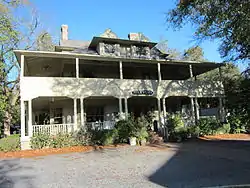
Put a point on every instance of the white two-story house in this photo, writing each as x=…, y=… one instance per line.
x=92, y=83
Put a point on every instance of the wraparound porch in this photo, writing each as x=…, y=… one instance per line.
x=63, y=114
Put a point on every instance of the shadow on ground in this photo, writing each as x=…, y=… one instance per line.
x=12, y=174
x=206, y=164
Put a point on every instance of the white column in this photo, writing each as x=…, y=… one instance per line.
x=197, y=109
x=221, y=110
x=164, y=109
x=126, y=107
x=77, y=67
x=120, y=68
x=30, y=128
x=120, y=106
x=22, y=118
x=75, y=114
x=82, y=112
x=191, y=71
x=22, y=66
x=159, y=71
x=159, y=112
x=192, y=109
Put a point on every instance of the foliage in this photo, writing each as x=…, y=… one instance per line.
x=223, y=129
x=227, y=21
x=163, y=47
x=44, y=42
x=208, y=126
x=176, y=128
x=236, y=123
x=212, y=126
x=10, y=143
x=40, y=140
x=83, y=137
x=194, y=54
x=104, y=137
x=62, y=140
x=126, y=128
x=16, y=32
x=142, y=134
x=193, y=131
x=109, y=137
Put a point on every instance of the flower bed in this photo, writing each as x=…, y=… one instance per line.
x=227, y=137
x=51, y=151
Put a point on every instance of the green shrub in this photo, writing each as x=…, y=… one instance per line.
x=40, y=140
x=10, y=143
x=176, y=127
x=126, y=128
x=83, y=137
x=109, y=137
x=142, y=134
x=237, y=125
x=208, y=126
x=223, y=129
x=193, y=131
x=104, y=137
x=62, y=140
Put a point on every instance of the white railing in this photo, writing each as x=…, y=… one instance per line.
x=53, y=129
x=101, y=125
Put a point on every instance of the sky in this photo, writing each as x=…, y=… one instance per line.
x=88, y=18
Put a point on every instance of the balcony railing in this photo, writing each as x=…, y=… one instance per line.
x=53, y=129
x=101, y=125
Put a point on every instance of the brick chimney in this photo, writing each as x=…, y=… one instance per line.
x=64, y=32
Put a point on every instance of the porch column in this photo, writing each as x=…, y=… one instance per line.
x=77, y=67
x=75, y=114
x=159, y=111
x=164, y=109
x=30, y=128
x=197, y=114
x=22, y=101
x=22, y=118
x=120, y=106
x=192, y=109
x=165, y=117
x=126, y=106
x=159, y=71
x=191, y=71
x=82, y=112
x=120, y=68
x=221, y=109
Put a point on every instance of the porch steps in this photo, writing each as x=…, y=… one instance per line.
x=155, y=138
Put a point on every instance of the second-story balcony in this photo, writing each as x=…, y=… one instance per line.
x=75, y=77
x=32, y=87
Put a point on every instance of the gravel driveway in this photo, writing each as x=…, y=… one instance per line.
x=192, y=164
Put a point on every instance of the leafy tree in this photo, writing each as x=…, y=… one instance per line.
x=15, y=32
x=194, y=54
x=227, y=21
x=44, y=42
x=173, y=53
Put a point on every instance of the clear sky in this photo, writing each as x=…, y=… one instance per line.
x=88, y=18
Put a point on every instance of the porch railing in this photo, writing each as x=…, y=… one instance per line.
x=53, y=129
x=101, y=125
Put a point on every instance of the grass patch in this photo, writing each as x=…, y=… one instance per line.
x=10, y=143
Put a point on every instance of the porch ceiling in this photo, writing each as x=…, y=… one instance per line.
x=198, y=67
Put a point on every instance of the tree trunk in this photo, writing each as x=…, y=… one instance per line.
x=6, y=123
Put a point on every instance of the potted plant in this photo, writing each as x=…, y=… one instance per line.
x=132, y=136
x=142, y=136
